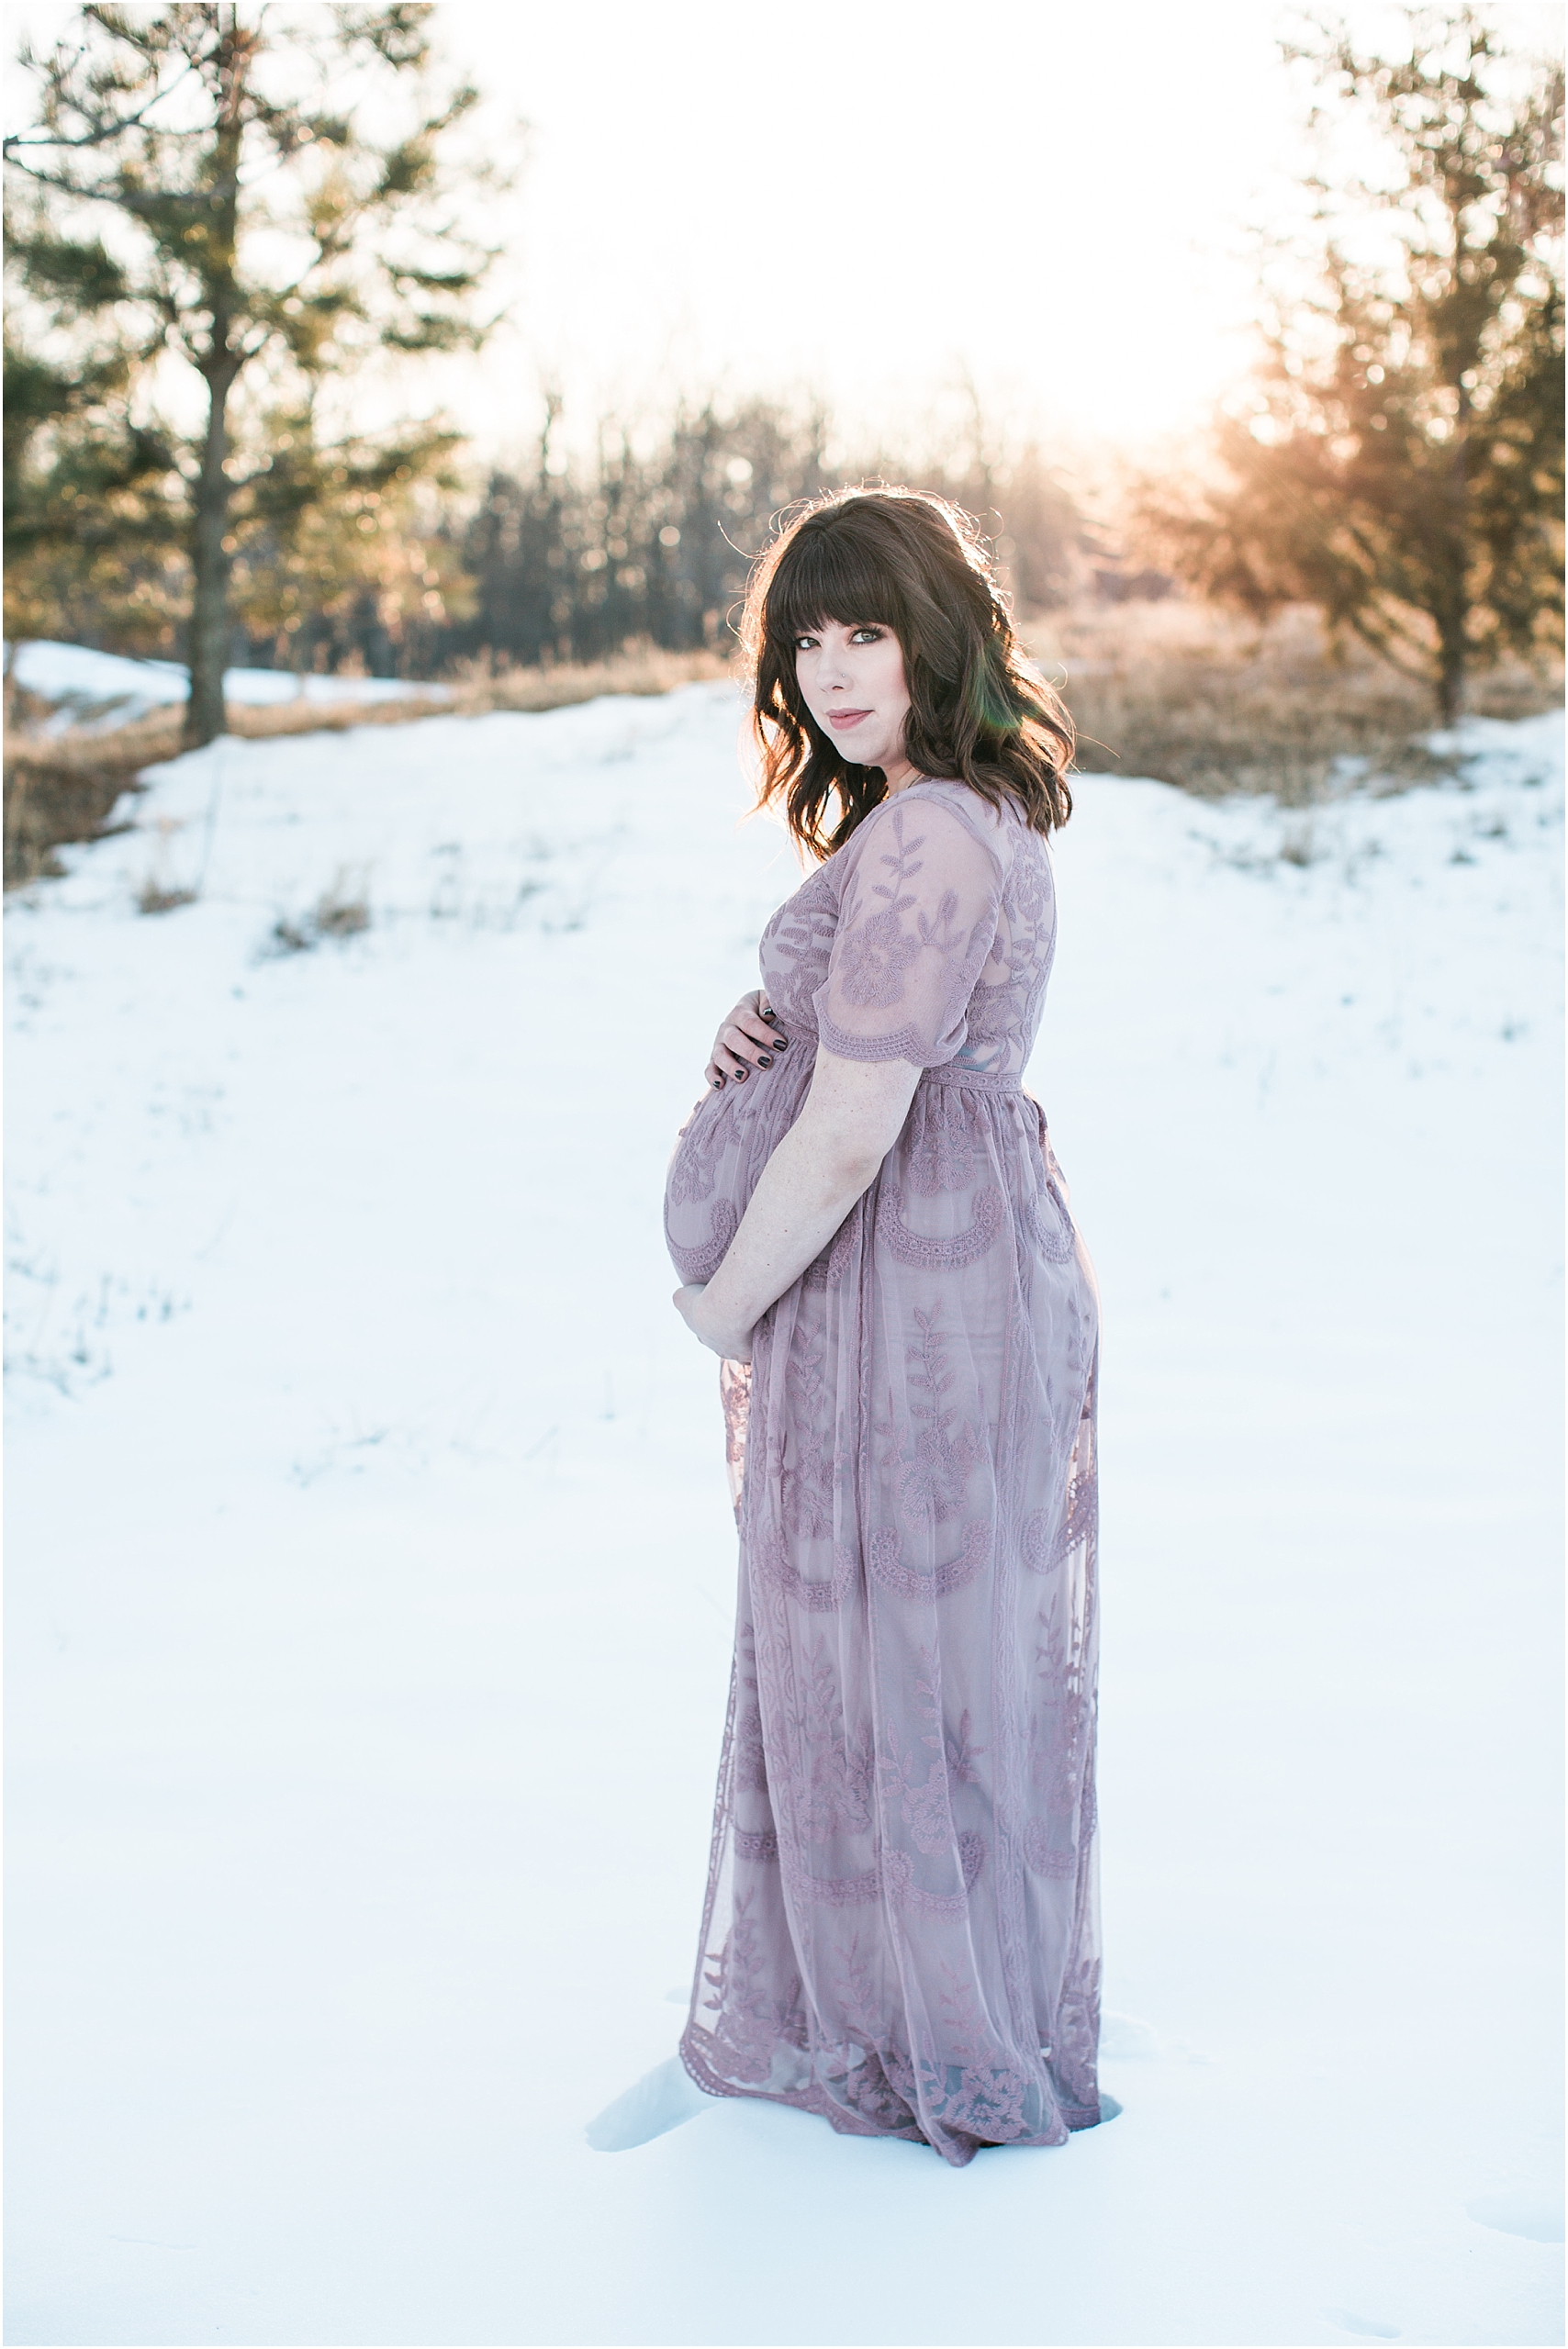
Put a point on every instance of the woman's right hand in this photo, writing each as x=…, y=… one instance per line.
x=749, y=1038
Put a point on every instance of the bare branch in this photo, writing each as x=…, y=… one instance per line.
x=109, y=129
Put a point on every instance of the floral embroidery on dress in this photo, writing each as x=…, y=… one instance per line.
x=751, y=1753
x=936, y=1255
x=694, y=1167
x=818, y=1595
x=1077, y=2036
x=876, y=950
x=990, y=1022
x=1050, y=1536
x=871, y=2094
x=984, y=2100
x=750, y=2020
x=899, y=1870
x=1053, y=1233
x=943, y=1154
x=933, y=1463
x=1045, y=1858
x=803, y=1461
x=835, y=1773
x=701, y=1263
x=921, y=1800
x=906, y=1582
x=797, y=942
x=734, y=1402
x=834, y=1892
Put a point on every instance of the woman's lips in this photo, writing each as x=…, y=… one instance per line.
x=847, y=717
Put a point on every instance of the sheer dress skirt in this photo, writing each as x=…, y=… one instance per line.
x=901, y=1927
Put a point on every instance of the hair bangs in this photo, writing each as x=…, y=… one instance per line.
x=831, y=575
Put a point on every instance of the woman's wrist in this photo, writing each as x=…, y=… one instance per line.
x=720, y=1329
x=708, y=1321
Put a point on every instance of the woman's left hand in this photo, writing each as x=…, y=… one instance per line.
x=730, y=1345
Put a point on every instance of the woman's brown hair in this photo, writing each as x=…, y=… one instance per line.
x=977, y=714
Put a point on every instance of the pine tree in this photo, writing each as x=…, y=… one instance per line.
x=1397, y=458
x=200, y=184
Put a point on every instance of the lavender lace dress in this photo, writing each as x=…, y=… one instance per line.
x=901, y=1931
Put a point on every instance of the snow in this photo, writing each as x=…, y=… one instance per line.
x=372, y=1570
x=106, y=688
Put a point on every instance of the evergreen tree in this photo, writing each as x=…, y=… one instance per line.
x=92, y=514
x=201, y=182
x=1398, y=457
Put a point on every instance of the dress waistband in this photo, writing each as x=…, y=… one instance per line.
x=981, y=1081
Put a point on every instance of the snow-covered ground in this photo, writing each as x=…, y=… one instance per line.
x=371, y=1569
x=107, y=689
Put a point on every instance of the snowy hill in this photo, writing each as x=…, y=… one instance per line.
x=371, y=1569
x=107, y=689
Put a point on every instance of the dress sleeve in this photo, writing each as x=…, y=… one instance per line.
x=917, y=916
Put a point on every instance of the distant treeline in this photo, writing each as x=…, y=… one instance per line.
x=648, y=540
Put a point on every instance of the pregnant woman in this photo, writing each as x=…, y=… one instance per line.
x=901, y=1931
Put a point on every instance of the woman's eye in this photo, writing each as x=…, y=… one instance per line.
x=867, y=636
x=804, y=643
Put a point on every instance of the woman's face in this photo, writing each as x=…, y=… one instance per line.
x=853, y=683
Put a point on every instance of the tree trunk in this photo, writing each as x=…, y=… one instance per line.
x=209, y=519
x=1450, y=681
x=1454, y=639
x=209, y=566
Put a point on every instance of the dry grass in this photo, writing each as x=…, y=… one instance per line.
x=152, y=897
x=341, y=912
x=54, y=795
x=1196, y=698
x=643, y=670
x=1173, y=690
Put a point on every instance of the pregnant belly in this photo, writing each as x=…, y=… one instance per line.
x=723, y=1148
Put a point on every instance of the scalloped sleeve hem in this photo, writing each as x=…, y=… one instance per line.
x=904, y=1045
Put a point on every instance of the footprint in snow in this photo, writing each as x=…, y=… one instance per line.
x=1125, y=2039
x=661, y=2100
x=1538, y=2217
x=1366, y=2328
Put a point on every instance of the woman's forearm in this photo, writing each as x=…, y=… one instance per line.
x=830, y=1155
x=802, y=1195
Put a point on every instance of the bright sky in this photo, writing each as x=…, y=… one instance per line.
x=874, y=198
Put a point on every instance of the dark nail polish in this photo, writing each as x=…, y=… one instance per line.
x=718, y=1084
x=765, y=1060
x=772, y=1018
x=783, y=1042
x=740, y=1076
